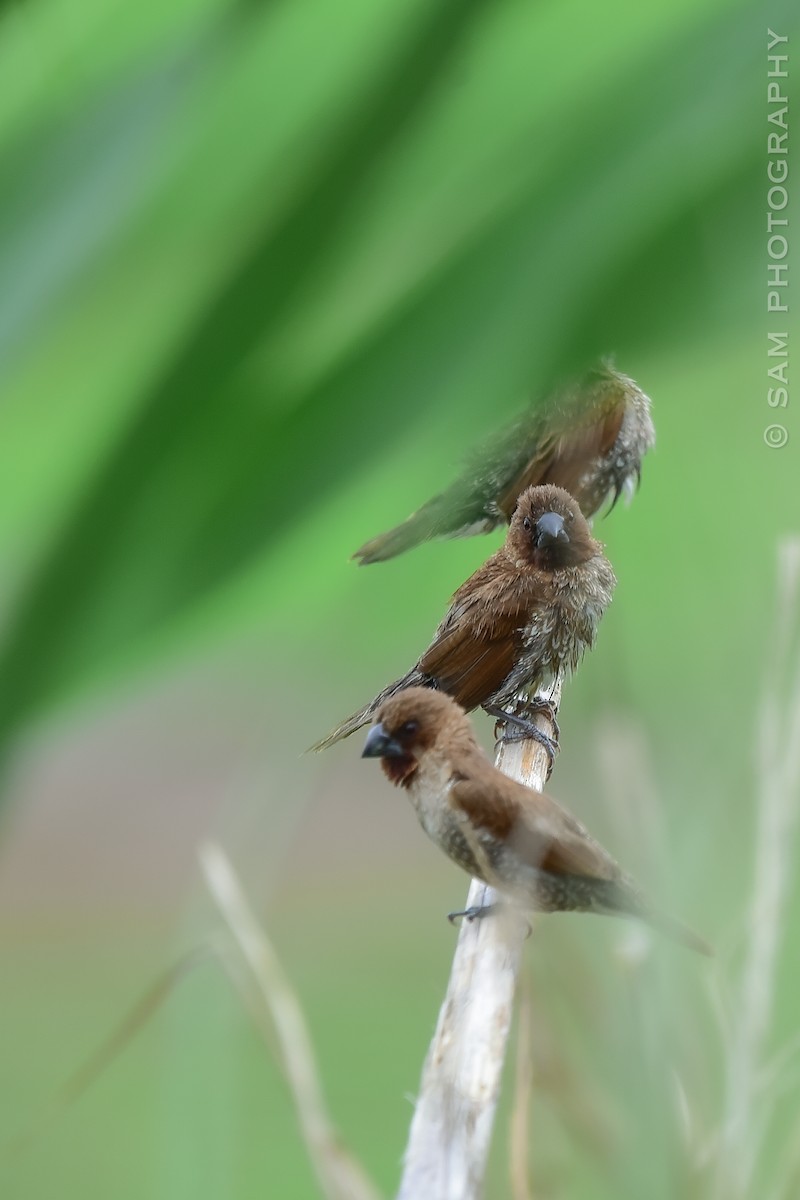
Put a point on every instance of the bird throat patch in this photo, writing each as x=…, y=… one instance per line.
x=400, y=770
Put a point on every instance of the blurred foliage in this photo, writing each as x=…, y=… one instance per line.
x=268, y=270
x=244, y=248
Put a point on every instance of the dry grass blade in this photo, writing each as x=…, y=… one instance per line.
x=448, y=1144
x=105, y=1055
x=339, y=1175
x=778, y=799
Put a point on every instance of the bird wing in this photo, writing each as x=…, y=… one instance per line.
x=479, y=641
x=461, y=510
x=543, y=833
x=563, y=454
x=561, y=441
x=546, y=836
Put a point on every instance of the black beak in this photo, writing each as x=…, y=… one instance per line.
x=550, y=528
x=379, y=744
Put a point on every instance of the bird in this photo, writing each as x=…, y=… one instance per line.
x=520, y=621
x=521, y=842
x=588, y=437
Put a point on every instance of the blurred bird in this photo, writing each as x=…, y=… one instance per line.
x=524, y=618
x=519, y=841
x=589, y=438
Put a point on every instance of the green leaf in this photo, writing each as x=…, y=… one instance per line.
x=595, y=241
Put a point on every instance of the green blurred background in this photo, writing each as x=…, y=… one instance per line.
x=267, y=271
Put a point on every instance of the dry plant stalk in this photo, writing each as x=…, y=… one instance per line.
x=340, y=1176
x=523, y=1087
x=450, y=1136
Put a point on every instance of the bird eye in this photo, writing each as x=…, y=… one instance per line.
x=410, y=728
x=526, y=522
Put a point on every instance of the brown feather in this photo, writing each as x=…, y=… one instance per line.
x=527, y=614
x=478, y=642
x=562, y=457
x=515, y=839
x=543, y=833
x=589, y=437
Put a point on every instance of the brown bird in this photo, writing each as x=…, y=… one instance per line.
x=526, y=616
x=589, y=438
x=519, y=841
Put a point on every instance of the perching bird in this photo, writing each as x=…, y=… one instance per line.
x=525, y=617
x=589, y=438
x=521, y=842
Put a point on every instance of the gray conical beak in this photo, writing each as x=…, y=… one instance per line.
x=550, y=528
x=380, y=744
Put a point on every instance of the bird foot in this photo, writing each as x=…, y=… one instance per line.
x=538, y=704
x=517, y=729
x=477, y=912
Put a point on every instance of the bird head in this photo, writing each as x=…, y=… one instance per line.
x=549, y=530
x=410, y=724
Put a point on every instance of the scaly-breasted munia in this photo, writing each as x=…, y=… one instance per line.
x=525, y=617
x=519, y=841
x=589, y=438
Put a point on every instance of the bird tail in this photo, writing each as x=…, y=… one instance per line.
x=622, y=897
x=364, y=715
x=345, y=728
x=419, y=527
x=678, y=932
